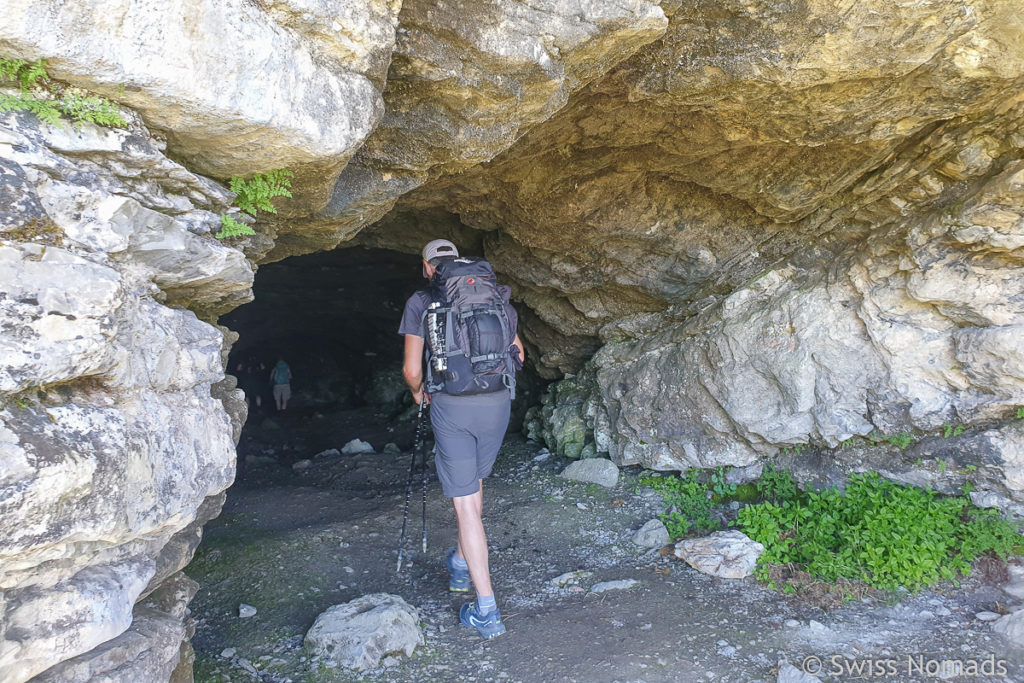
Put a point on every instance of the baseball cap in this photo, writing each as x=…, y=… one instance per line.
x=437, y=248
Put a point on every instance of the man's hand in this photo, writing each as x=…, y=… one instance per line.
x=419, y=395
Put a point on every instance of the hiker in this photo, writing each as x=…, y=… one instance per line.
x=469, y=397
x=281, y=379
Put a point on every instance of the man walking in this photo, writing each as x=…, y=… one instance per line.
x=469, y=393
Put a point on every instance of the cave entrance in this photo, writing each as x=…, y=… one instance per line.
x=332, y=317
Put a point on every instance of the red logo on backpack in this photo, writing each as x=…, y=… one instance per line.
x=470, y=281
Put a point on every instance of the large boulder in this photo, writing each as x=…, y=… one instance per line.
x=357, y=634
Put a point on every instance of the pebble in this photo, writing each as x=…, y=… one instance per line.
x=791, y=623
x=927, y=614
x=986, y=616
x=245, y=611
x=329, y=453
x=621, y=584
x=301, y=465
x=227, y=653
x=818, y=627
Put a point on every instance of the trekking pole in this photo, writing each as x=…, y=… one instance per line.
x=422, y=446
x=408, y=485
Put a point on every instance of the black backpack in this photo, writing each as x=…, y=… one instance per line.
x=470, y=339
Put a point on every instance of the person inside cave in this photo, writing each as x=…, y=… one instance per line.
x=281, y=379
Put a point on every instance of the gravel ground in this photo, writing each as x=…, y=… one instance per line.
x=293, y=543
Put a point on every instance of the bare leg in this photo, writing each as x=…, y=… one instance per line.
x=472, y=540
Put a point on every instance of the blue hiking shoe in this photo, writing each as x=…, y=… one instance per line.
x=459, y=581
x=488, y=626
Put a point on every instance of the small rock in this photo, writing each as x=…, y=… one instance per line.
x=986, y=616
x=392, y=448
x=329, y=453
x=818, y=627
x=227, y=653
x=791, y=623
x=621, y=584
x=926, y=614
x=581, y=506
x=790, y=674
x=301, y=465
x=1011, y=626
x=725, y=554
x=727, y=651
x=652, y=534
x=245, y=611
x=942, y=612
x=356, y=447
x=594, y=471
x=543, y=455
x=357, y=634
x=569, y=578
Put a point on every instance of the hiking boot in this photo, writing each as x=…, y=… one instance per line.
x=459, y=581
x=488, y=626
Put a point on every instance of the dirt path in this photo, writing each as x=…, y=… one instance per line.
x=293, y=543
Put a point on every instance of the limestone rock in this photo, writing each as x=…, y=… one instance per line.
x=358, y=633
x=357, y=446
x=725, y=554
x=621, y=584
x=110, y=440
x=790, y=674
x=1011, y=626
x=178, y=64
x=653, y=534
x=593, y=470
x=466, y=79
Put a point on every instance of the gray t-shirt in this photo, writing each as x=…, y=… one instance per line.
x=412, y=323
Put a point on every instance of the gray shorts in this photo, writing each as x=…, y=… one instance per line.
x=282, y=392
x=468, y=431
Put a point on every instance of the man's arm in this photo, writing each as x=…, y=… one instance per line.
x=412, y=367
x=522, y=352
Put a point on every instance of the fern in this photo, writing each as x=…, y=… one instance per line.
x=9, y=68
x=78, y=108
x=232, y=228
x=257, y=192
x=45, y=110
x=82, y=108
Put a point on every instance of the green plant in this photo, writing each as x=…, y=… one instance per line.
x=777, y=485
x=50, y=102
x=1020, y=413
x=901, y=441
x=720, y=487
x=942, y=466
x=970, y=468
x=881, y=533
x=229, y=227
x=257, y=192
x=254, y=195
x=846, y=444
x=949, y=430
x=688, y=502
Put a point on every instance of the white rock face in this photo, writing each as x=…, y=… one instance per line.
x=725, y=554
x=357, y=634
x=235, y=90
x=110, y=440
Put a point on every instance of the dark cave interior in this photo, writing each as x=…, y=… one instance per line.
x=333, y=317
